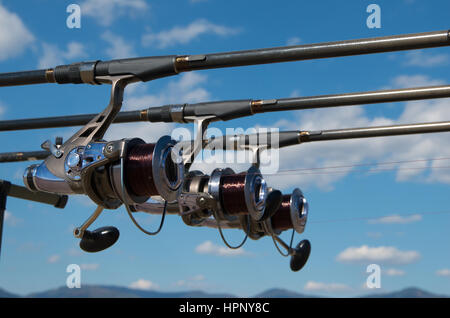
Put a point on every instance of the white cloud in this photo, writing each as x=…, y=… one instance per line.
x=394, y=272
x=14, y=35
x=443, y=272
x=381, y=254
x=118, y=48
x=419, y=58
x=293, y=41
x=143, y=284
x=90, y=267
x=210, y=248
x=52, y=55
x=313, y=286
x=74, y=251
x=2, y=109
x=10, y=219
x=197, y=281
x=106, y=11
x=404, y=81
x=374, y=234
x=184, y=89
x=396, y=219
x=185, y=34
x=198, y=277
x=53, y=259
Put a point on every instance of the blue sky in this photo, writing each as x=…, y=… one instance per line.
x=396, y=215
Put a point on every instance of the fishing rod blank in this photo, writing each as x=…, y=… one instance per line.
x=67, y=121
x=226, y=110
x=23, y=156
x=367, y=132
x=284, y=138
x=149, y=68
x=290, y=138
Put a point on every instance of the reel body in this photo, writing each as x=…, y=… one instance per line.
x=94, y=170
x=226, y=195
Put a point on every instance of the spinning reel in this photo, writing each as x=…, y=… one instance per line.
x=228, y=195
x=127, y=171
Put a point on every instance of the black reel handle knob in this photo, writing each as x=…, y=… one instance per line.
x=300, y=255
x=99, y=239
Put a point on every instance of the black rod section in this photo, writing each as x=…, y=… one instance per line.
x=153, y=67
x=315, y=51
x=4, y=189
x=24, y=78
x=381, y=131
x=66, y=121
x=23, y=156
x=290, y=138
x=226, y=110
x=351, y=99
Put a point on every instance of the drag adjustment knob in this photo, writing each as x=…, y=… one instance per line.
x=300, y=255
x=99, y=239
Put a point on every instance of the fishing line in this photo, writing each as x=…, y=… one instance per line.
x=130, y=214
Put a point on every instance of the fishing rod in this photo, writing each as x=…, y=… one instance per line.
x=130, y=172
x=149, y=68
x=231, y=109
x=279, y=139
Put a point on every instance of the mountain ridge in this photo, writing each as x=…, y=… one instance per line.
x=104, y=291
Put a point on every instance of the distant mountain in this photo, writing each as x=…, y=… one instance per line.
x=98, y=291
x=91, y=291
x=411, y=292
x=281, y=293
x=5, y=294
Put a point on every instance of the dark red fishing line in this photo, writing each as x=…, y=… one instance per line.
x=138, y=170
x=282, y=219
x=232, y=194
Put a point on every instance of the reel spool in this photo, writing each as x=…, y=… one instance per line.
x=240, y=194
x=292, y=214
x=149, y=170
